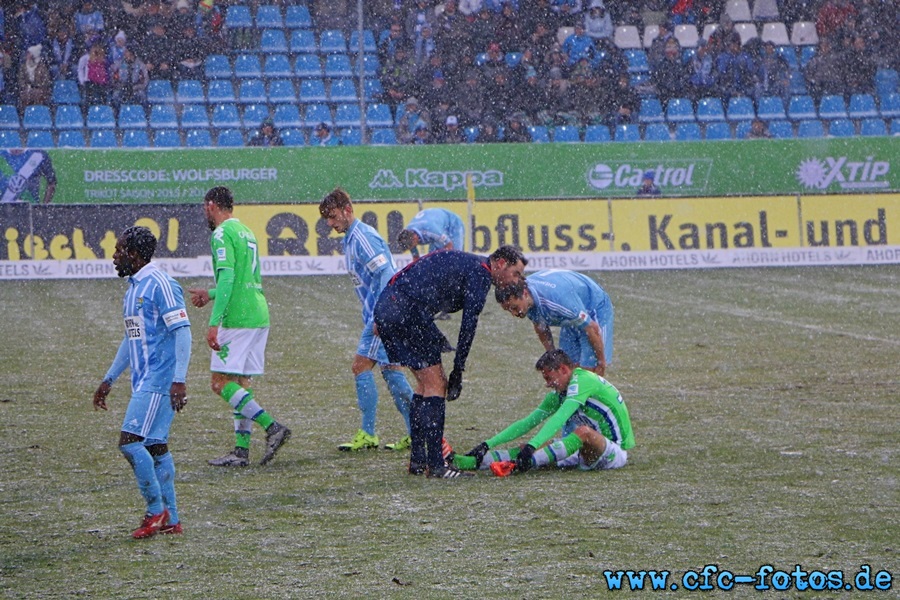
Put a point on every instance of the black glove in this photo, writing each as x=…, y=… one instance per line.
x=523, y=461
x=454, y=384
x=478, y=453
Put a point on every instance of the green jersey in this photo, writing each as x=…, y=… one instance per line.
x=589, y=400
x=239, y=299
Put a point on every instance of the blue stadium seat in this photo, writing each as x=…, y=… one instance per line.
x=351, y=136
x=71, y=138
x=159, y=91
x=273, y=41
x=710, y=109
x=513, y=59
x=841, y=128
x=718, y=130
x=238, y=16
x=806, y=54
x=372, y=89
x=789, y=54
x=101, y=116
x=318, y=113
x=252, y=91
x=246, y=66
x=190, y=91
x=771, y=108
x=687, y=132
x=742, y=130
x=198, y=138
x=368, y=41
x=798, y=84
x=220, y=91
x=68, y=116
x=890, y=106
x=225, y=116
x=886, y=82
x=637, y=60
x=253, y=115
x=679, y=110
x=10, y=139
x=628, y=132
x=135, y=138
x=269, y=15
x=338, y=65
x=217, y=66
x=343, y=90
x=657, y=132
x=371, y=65
x=347, y=115
x=9, y=117
x=230, y=138
x=651, y=111
x=539, y=134
x=379, y=115
x=895, y=127
x=277, y=66
x=832, y=106
x=810, y=128
x=194, y=116
x=781, y=130
x=384, y=137
x=312, y=90
x=104, y=138
x=862, y=106
x=480, y=59
x=37, y=116
x=167, y=138
x=303, y=41
x=39, y=138
x=872, y=127
x=281, y=91
x=801, y=108
x=332, y=41
x=740, y=108
x=293, y=136
x=596, y=134
x=470, y=133
x=566, y=133
x=287, y=116
x=297, y=17
x=66, y=91
x=308, y=66
x=162, y=116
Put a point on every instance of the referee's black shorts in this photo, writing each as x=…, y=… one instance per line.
x=408, y=333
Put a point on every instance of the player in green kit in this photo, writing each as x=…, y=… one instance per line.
x=596, y=429
x=238, y=327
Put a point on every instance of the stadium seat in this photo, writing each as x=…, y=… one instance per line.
x=890, y=106
x=159, y=91
x=806, y=54
x=771, y=108
x=688, y=54
x=135, y=138
x=371, y=66
x=803, y=33
x=9, y=117
x=687, y=35
x=281, y=91
x=841, y=128
x=287, y=116
x=198, y=138
x=332, y=41
x=293, y=136
x=351, y=136
x=710, y=109
x=886, y=82
x=384, y=137
x=312, y=90
x=781, y=130
x=225, y=116
x=318, y=113
x=687, y=132
x=101, y=116
x=801, y=108
x=379, y=115
x=342, y=90
x=297, y=17
x=738, y=10
x=637, y=60
x=832, y=107
x=277, y=66
x=338, y=65
x=71, y=138
x=167, y=138
x=776, y=33
x=66, y=91
x=10, y=139
x=718, y=130
x=596, y=134
x=347, y=115
x=308, y=66
x=810, y=128
x=39, y=138
x=162, y=116
x=651, y=111
x=651, y=32
x=194, y=116
x=539, y=134
x=566, y=133
x=369, y=44
x=104, y=138
x=373, y=90
x=68, y=116
x=740, y=108
x=252, y=91
x=747, y=31
x=709, y=29
x=231, y=138
x=246, y=66
x=657, y=132
x=798, y=84
x=627, y=36
x=253, y=115
x=564, y=32
x=238, y=16
x=190, y=91
x=862, y=106
x=269, y=15
x=628, y=132
x=789, y=54
x=741, y=130
x=679, y=110
x=217, y=66
x=470, y=133
x=220, y=91
x=872, y=127
x=765, y=10
x=37, y=116
x=272, y=41
x=513, y=59
x=303, y=41
x=895, y=127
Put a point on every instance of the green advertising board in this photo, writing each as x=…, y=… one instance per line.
x=498, y=171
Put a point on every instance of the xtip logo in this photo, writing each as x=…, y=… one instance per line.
x=814, y=173
x=673, y=174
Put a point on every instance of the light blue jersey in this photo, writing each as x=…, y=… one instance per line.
x=571, y=300
x=438, y=227
x=153, y=309
x=369, y=263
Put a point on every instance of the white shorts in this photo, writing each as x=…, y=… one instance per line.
x=613, y=458
x=243, y=351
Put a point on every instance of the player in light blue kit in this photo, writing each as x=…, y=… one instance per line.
x=569, y=300
x=441, y=229
x=371, y=266
x=157, y=349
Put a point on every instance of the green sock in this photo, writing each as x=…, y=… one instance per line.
x=465, y=463
x=243, y=402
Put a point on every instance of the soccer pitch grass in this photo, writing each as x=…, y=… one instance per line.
x=764, y=403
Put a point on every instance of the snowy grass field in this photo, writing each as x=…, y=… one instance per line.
x=764, y=402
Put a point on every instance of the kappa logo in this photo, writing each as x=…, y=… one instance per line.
x=446, y=180
x=815, y=173
x=223, y=353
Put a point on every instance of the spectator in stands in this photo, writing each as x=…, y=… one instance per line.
x=451, y=30
x=858, y=68
x=623, y=103
x=584, y=83
x=501, y=94
x=130, y=79
x=62, y=54
x=190, y=53
x=613, y=62
x=436, y=92
x=516, y=129
x=568, y=12
x=89, y=24
x=267, y=136
x=451, y=133
x=322, y=136
x=471, y=99
x=735, y=71
x=28, y=27
x=798, y=10
x=597, y=22
x=648, y=186
x=653, y=12
x=702, y=73
x=158, y=50
x=670, y=75
x=488, y=132
x=34, y=83
x=93, y=76
x=722, y=37
x=509, y=31
x=578, y=45
x=560, y=106
x=483, y=30
x=389, y=44
x=833, y=16
x=758, y=130
x=495, y=61
x=471, y=8
x=773, y=73
x=541, y=41
x=398, y=76
x=421, y=134
x=420, y=15
x=682, y=12
x=424, y=47
x=657, y=50
x=824, y=72
x=406, y=124
x=536, y=12
x=532, y=97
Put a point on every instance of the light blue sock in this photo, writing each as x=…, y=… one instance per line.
x=400, y=390
x=367, y=399
x=142, y=465
x=165, y=473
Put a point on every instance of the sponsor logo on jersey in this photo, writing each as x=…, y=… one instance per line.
x=134, y=328
x=376, y=263
x=221, y=254
x=175, y=317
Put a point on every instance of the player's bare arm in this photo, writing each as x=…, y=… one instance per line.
x=595, y=337
x=101, y=394
x=212, y=338
x=545, y=335
x=199, y=297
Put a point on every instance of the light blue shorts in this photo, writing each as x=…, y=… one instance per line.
x=149, y=415
x=574, y=342
x=371, y=347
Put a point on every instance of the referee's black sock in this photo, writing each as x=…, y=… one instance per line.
x=417, y=419
x=434, y=430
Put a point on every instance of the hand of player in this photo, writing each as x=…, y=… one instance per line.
x=199, y=298
x=454, y=384
x=100, y=396
x=478, y=453
x=523, y=460
x=212, y=338
x=178, y=396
